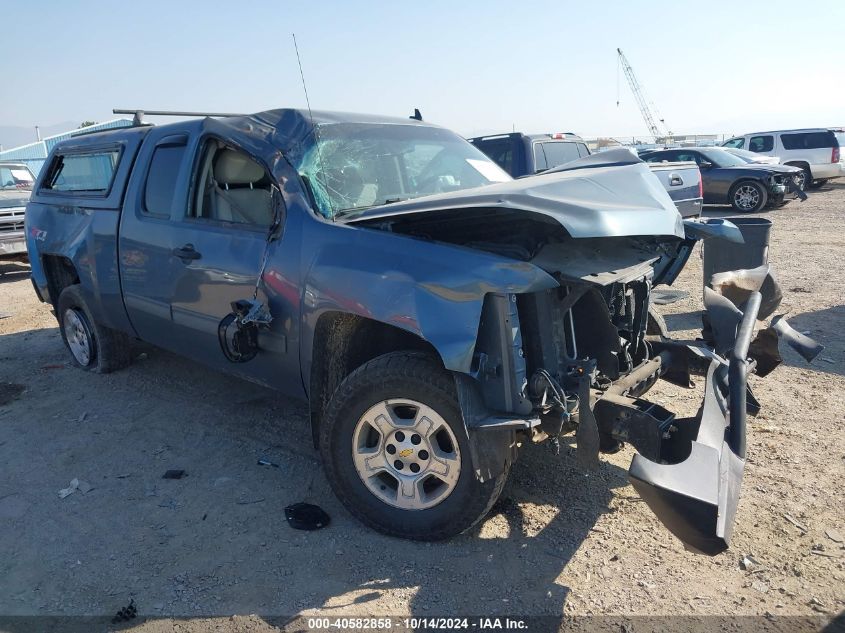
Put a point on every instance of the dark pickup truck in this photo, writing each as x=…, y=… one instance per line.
x=528, y=154
x=435, y=313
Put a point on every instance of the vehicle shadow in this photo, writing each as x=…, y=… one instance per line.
x=826, y=327
x=13, y=270
x=216, y=543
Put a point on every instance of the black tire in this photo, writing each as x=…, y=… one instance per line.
x=745, y=187
x=402, y=375
x=107, y=350
x=656, y=324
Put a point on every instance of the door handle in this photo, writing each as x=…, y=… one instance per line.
x=186, y=253
x=675, y=180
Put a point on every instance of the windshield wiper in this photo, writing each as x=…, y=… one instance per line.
x=350, y=210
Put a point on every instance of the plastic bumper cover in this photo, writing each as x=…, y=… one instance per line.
x=697, y=498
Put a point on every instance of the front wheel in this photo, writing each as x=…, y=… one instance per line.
x=748, y=197
x=396, y=451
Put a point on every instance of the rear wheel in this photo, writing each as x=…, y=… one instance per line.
x=748, y=196
x=92, y=346
x=397, y=454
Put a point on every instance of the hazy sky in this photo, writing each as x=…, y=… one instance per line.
x=474, y=66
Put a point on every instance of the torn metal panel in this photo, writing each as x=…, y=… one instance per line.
x=737, y=285
x=723, y=317
x=801, y=343
x=597, y=261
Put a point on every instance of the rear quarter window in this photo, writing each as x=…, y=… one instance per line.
x=808, y=140
x=558, y=153
x=89, y=173
x=161, y=179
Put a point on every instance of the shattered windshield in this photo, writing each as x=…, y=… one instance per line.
x=15, y=177
x=355, y=166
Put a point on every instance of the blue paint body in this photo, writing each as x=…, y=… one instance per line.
x=133, y=283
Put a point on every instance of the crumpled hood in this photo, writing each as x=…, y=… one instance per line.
x=775, y=169
x=13, y=198
x=612, y=194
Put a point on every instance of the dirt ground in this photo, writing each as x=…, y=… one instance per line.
x=561, y=541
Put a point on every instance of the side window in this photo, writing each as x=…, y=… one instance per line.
x=808, y=140
x=90, y=173
x=660, y=157
x=686, y=156
x=560, y=152
x=583, y=150
x=540, y=163
x=161, y=179
x=761, y=143
x=500, y=151
x=736, y=143
x=232, y=187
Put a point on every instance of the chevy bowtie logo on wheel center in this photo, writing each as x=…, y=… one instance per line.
x=407, y=452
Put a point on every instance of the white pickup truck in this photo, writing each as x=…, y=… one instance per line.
x=15, y=188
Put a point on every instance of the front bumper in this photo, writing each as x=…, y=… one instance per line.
x=12, y=244
x=697, y=498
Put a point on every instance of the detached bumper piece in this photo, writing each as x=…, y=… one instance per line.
x=696, y=499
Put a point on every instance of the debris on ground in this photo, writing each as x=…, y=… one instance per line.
x=834, y=535
x=749, y=563
x=667, y=296
x=267, y=462
x=796, y=523
x=75, y=484
x=5, y=315
x=126, y=613
x=306, y=516
x=174, y=474
x=760, y=586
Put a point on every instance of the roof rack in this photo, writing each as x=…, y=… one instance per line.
x=138, y=115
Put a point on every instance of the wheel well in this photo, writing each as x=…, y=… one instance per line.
x=60, y=273
x=744, y=181
x=342, y=343
x=798, y=163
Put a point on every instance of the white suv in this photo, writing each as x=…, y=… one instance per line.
x=814, y=150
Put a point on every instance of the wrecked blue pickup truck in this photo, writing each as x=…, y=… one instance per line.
x=435, y=313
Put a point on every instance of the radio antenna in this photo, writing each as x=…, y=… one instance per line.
x=302, y=75
x=314, y=127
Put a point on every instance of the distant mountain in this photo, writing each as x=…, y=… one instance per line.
x=12, y=136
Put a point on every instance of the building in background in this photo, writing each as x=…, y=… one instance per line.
x=34, y=154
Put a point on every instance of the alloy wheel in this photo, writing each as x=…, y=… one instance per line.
x=747, y=197
x=406, y=454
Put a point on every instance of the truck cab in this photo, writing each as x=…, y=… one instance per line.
x=527, y=154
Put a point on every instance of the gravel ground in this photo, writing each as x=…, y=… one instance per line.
x=561, y=541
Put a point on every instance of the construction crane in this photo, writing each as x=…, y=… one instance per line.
x=639, y=95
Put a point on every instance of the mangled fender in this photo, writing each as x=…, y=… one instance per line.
x=433, y=290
